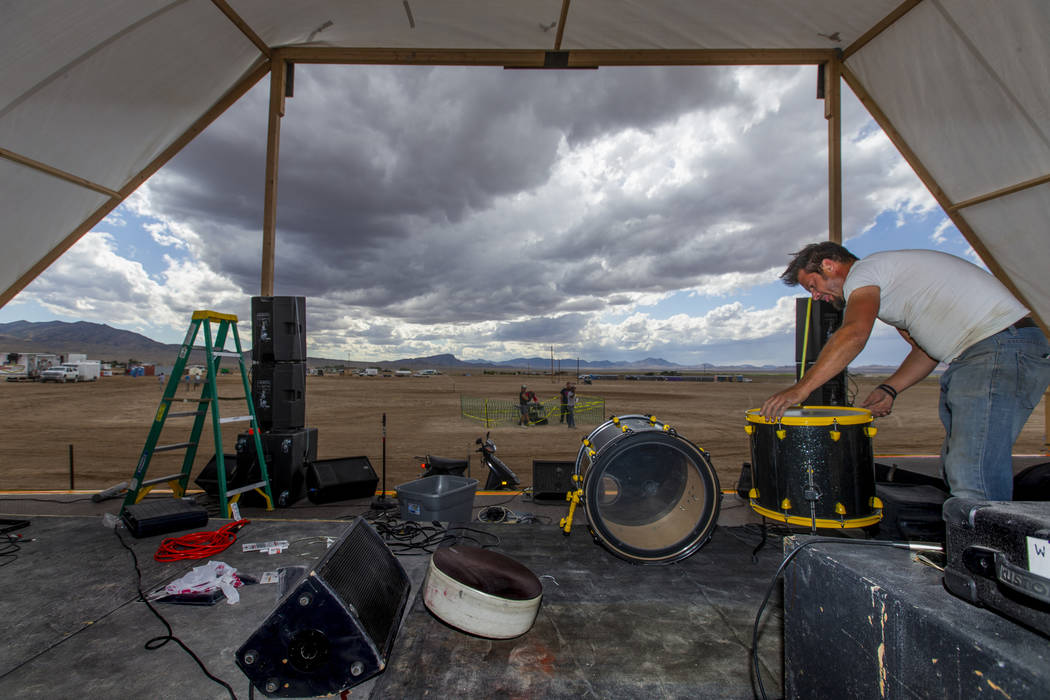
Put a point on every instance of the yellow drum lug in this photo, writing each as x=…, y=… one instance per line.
x=785, y=504
x=781, y=434
x=749, y=428
x=870, y=431
x=875, y=502
x=753, y=494
x=835, y=435
x=840, y=509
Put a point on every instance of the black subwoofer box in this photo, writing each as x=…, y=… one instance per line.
x=287, y=453
x=340, y=479
x=279, y=394
x=334, y=627
x=551, y=480
x=279, y=329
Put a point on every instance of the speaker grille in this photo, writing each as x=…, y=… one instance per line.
x=362, y=556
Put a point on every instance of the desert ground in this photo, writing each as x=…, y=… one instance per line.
x=99, y=428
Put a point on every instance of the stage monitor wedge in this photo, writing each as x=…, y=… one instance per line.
x=335, y=625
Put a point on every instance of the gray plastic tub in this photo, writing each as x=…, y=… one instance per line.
x=445, y=498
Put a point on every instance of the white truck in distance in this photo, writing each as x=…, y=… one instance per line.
x=60, y=373
x=69, y=372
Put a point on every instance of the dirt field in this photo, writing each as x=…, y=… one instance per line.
x=106, y=424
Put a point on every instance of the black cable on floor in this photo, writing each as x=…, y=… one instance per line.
x=9, y=551
x=158, y=642
x=783, y=565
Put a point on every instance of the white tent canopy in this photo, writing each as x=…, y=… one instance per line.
x=96, y=96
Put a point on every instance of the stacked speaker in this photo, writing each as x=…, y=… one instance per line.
x=279, y=395
x=813, y=326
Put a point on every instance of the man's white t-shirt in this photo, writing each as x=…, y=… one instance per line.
x=945, y=303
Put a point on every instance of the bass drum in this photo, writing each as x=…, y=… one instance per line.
x=651, y=496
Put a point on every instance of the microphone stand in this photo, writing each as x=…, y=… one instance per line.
x=380, y=503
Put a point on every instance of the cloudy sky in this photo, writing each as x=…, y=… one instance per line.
x=615, y=214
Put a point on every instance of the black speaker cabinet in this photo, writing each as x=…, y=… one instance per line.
x=823, y=320
x=341, y=479
x=335, y=626
x=279, y=394
x=551, y=480
x=287, y=453
x=279, y=329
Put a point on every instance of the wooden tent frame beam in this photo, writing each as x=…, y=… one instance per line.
x=278, y=83
x=931, y=184
x=57, y=172
x=536, y=58
x=833, y=115
x=220, y=106
x=1005, y=191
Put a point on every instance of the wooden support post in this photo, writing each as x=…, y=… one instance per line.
x=278, y=75
x=833, y=114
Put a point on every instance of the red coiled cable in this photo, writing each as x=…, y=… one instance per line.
x=198, y=545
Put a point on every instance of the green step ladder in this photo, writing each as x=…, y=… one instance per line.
x=213, y=352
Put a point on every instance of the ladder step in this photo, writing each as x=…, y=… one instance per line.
x=173, y=446
x=243, y=489
x=161, y=479
x=173, y=399
x=217, y=353
x=182, y=414
x=234, y=419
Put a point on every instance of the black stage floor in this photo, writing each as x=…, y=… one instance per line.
x=607, y=628
x=73, y=623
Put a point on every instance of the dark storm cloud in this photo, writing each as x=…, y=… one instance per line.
x=372, y=158
x=399, y=190
x=542, y=329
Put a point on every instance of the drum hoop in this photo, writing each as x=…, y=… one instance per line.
x=663, y=428
x=823, y=523
x=850, y=416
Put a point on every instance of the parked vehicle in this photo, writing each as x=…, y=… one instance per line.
x=88, y=370
x=27, y=366
x=60, y=373
x=500, y=476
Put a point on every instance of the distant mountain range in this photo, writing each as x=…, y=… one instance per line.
x=96, y=340
x=101, y=342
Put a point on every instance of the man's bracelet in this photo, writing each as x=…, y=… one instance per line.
x=889, y=390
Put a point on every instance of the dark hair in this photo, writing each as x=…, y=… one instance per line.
x=810, y=258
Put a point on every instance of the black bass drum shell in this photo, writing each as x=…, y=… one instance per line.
x=651, y=496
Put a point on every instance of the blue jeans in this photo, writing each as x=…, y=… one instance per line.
x=987, y=394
